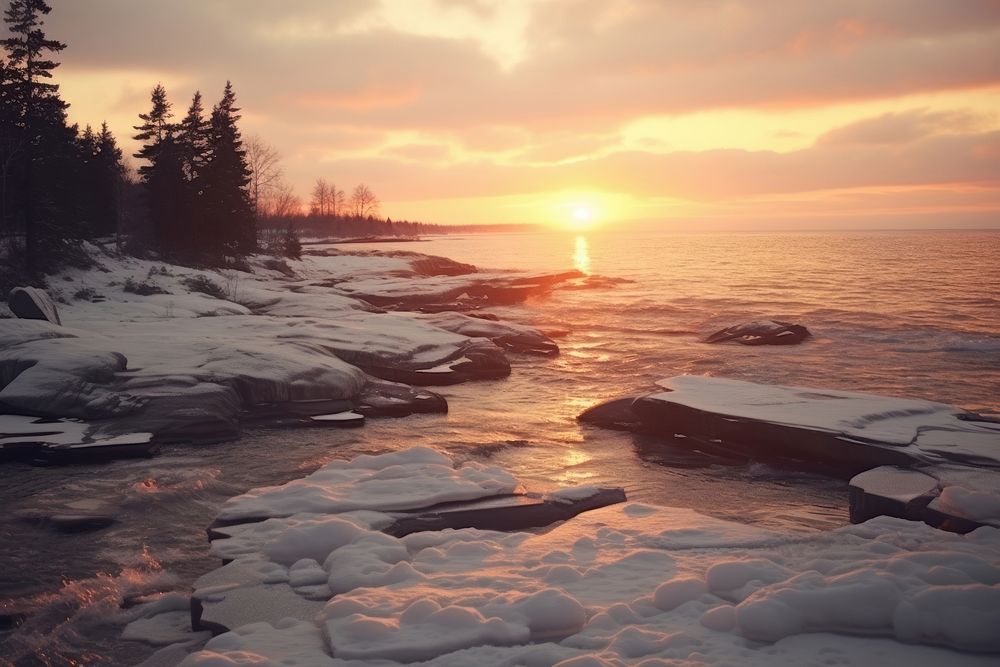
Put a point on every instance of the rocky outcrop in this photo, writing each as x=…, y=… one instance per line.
x=31, y=303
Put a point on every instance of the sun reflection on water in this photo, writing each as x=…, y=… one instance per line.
x=581, y=255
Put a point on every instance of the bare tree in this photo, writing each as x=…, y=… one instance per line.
x=265, y=172
x=338, y=201
x=363, y=201
x=284, y=202
x=319, y=204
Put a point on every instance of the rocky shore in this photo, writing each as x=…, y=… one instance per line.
x=163, y=353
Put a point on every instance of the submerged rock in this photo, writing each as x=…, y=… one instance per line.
x=31, y=303
x=766, y=332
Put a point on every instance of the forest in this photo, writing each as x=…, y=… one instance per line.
x=198, y=191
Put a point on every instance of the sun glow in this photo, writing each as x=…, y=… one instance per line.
x=582, y=217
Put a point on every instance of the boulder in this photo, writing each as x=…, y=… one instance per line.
x=31, y=303
x=766, y=332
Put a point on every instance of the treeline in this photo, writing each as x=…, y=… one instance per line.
x=57, y=183
x=202, y=194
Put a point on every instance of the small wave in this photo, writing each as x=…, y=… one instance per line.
x=63, y=627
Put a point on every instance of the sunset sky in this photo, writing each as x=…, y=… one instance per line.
x=709, y=114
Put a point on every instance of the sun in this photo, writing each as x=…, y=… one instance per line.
x=582, y=217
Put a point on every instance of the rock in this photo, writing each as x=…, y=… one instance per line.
x=73, y=523
x=953, y=498
x=614, y=414
x=830, y=431
x=478, y=359
x=510, y=336
x=890, y=491
x=510, y=513
x=31, y=303
x=338, y=419
x=392, y=399
x=766, y=332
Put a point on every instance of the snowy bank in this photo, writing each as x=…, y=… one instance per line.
x=188, y=354
x=319, y=583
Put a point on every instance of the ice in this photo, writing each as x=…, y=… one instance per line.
x=631, y=584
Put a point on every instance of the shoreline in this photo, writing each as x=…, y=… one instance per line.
x=189, y=355
x=387, y=285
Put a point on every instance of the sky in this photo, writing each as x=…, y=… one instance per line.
x=727, y=114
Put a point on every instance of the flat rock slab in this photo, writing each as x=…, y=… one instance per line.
x=517, y=513
x=31, y=303
x=339, y=419
x=67, y=441
x=835, y=431
x=890, y=491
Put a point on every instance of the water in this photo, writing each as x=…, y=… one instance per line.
x=909, y=314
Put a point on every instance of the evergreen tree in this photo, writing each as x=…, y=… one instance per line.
x=193, y=138
x=109, y=181
x=12, y=141
x=45, y=148
x=163, y=175
x=229, y=214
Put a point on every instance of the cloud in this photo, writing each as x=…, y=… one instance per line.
x=335, y=85
x=902, y=127
x=717, y=175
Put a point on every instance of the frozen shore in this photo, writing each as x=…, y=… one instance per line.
x=316, y=579
x=186, y=355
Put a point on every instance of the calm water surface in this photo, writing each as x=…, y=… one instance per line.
x=909, y=314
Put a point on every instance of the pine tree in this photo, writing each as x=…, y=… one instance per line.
x=110, y=175
x=194, y=137
x=229, y=214
x=40, y=120
x=163, y=175
x=12, y=149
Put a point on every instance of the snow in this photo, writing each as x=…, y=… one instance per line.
x=920, y=430
x=975, y=504
x=869, y=417
x=202, y=359
x=413, y=478
x=347, y=416
x=623, y=585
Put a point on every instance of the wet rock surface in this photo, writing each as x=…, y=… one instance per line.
x=765, y=332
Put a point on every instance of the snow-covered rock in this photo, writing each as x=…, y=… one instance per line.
x=31, y=303
x=837, y=430
x=629, y=584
